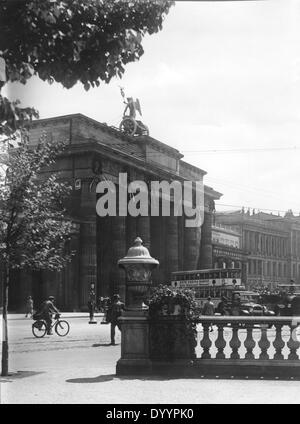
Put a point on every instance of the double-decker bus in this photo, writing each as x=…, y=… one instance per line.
x=209, y=282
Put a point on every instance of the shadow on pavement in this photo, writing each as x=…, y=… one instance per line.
x=18, y=375
x=103, y=344
x=99, y=379
x=110, y=377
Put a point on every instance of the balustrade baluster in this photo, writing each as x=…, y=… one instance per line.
x=264, y=343
x=293, y=343
x=245, y=332
x=235, y=342
x=278, y=342
x=220, y=342
x=205, y=342
x=249, y=343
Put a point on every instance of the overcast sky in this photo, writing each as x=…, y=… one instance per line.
x=219, y=76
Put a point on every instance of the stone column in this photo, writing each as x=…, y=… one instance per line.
x=252, y=237
x=88, y=254
x=104, y=246
x=206, y=242
x=171, y=245
x=191, y=254
x=135, y=349
x=73, y=282
x=88, y=267
x=118, y=243
x=158, y=247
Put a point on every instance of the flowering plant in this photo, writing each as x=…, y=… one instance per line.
x=165, y=300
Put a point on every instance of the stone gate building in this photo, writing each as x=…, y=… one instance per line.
x=97, y=152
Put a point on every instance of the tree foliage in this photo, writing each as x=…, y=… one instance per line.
x=33, y=223
x=72, y=40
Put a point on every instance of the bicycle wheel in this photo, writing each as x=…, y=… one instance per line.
x=62, y=328
x=39, y=329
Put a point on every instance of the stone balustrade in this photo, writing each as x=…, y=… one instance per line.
x=260, y=346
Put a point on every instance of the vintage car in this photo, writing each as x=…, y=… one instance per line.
x=283, y=304
x=255, y=309
x=245, y=303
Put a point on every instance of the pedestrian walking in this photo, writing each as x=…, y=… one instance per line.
x=208, y=309
x=91, y=306
x=29, y=307
x=113, y=314
x=101, y=304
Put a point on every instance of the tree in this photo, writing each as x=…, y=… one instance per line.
x=72, y=40
x=34, y=226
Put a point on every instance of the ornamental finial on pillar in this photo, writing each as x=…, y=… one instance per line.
x=138, y=265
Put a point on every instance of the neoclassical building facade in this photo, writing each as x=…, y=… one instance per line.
x=227, y=249
x=271, y=243
x=96, y=152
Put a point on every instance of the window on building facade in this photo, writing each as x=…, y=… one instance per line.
x=279, y=270
x=274, y=269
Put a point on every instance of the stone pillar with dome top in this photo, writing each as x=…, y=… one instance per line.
x=138, y=266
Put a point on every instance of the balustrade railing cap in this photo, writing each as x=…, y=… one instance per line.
x=138, y=254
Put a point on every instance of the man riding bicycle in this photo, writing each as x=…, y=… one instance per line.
x=46, y=310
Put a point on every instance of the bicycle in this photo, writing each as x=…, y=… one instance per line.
x=61, y=327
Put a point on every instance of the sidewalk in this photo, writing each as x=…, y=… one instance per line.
x=63, y=315
x=96, y=383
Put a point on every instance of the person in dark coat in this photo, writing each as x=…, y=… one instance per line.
x=92, y=304
x=46, y=311
x=114, y=312
x=209, y=309
x=221, y=308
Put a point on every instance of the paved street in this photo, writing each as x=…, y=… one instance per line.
x=80, y=368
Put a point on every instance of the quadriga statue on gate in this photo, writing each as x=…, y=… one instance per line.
x=129, y=124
